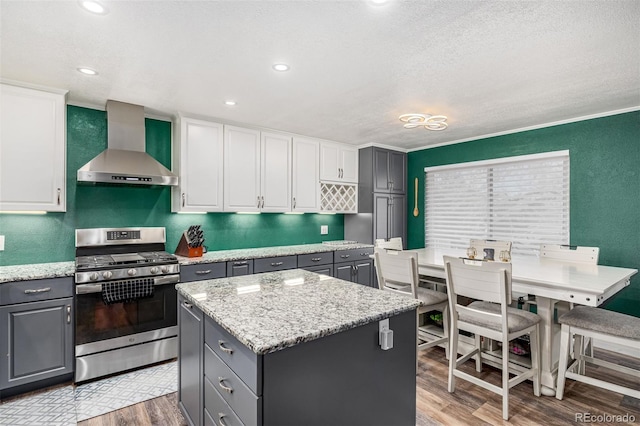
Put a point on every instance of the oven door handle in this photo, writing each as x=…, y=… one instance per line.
x=97, y=287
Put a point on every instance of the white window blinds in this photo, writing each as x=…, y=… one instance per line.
x=522, y=199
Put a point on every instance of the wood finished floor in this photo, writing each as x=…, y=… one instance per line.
x=469, y=405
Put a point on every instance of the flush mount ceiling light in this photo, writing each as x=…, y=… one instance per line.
x=230, y=103
x=87, y=71
x=93, y=7
x=428, y=121
x=280, y=67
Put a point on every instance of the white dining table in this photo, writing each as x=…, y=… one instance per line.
x=549, y=281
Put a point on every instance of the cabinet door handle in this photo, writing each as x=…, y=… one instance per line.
x=183, y=198
x=223, y=348
x=294, y=202
x=221, y=416
x=258, y=206
x=222, y=386
x=38, y=290
x=187, y=305
x=316, y=259
x=68, y=314
x=276, y=263
x=262, y=201
x=58, y=196
x=205, y=272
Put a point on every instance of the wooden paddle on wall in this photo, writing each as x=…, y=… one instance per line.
x=416, y=212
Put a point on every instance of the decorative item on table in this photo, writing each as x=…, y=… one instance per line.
x=471, y=252
x=191, y=242
x=489, y=254
x=505, y=256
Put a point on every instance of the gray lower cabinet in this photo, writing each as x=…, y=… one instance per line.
x=320, y=263
x=202, y=271
x=36, y=336
x=190, y=363
x=236, y=268
x=354, y=265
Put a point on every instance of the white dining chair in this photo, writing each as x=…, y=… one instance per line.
x=398, y=272
x=489, y=316
x=394, y=243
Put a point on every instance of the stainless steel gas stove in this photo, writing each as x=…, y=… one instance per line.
x=126, y=301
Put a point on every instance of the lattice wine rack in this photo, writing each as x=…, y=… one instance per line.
x=341, y=198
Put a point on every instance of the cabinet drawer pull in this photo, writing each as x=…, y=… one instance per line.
x=205, y=272
x=221, y=345
x=344, y=256
x=276, y=263
x=187, y=305
x=316, y=259
x=365, y=254
x=221, y=416
x=244, y=262
x=38, y=290
x=222, y=386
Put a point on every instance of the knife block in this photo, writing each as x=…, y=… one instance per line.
x=184, y=249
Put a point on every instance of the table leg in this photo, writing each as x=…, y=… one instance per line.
x=548, y=358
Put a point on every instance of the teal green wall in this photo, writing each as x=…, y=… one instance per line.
x=604, y=188
x=50, y=238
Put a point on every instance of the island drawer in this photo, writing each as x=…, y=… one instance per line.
x=202, y=271
x=231, y=388
x=35, y=290
x=270, y=264
x=242, y=360
x=216, y=410
x=237, y=268
x=353, y=254
x=306, y=260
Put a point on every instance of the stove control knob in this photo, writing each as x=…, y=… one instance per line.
x=131, y=272
x=107, y=274
x=93, y=276
x=154, y=270
x=164, y=269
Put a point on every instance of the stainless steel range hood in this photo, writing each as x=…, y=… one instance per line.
x=125, y=160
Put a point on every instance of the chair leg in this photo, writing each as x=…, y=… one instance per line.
x=534, y=340
x=565, y=337
x=578, y=351
x=453, y=357
x=445, y=324
x=505, y=379
x=479, y=353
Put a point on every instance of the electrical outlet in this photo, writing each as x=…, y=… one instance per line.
x=324, y=229
x=1, y=242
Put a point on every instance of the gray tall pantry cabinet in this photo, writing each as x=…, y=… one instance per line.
x=382, y=199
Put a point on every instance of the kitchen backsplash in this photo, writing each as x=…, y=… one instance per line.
x=51, y=237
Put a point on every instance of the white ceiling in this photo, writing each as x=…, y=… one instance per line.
x=490, y=66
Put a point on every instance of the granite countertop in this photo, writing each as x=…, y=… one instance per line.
x=272, y=311
x=37, y=271
x=256, y=253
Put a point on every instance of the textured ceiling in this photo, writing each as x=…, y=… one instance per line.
x=490, y=66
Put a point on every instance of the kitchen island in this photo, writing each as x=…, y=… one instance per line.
x=294, y=347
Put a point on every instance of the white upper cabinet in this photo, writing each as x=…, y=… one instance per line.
x=306, y=175
x=275, y=152
x=241, y=169
x=257, y=170
x=198, y=161
x=32, y=149
x=338, y=163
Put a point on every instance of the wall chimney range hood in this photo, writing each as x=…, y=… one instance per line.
x=125, y=160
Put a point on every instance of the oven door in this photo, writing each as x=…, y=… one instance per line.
x=149, y=317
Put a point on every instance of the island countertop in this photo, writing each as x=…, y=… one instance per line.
x=272, y=311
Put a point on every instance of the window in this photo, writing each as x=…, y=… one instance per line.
x=522, y=199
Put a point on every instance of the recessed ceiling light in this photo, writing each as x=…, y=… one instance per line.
x=87, y=71
x=378, y=2
x=93, y=6
x=230, y=103
x=281, y=67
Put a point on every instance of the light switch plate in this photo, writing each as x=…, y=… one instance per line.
x=1, y=242
x=324, y=229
